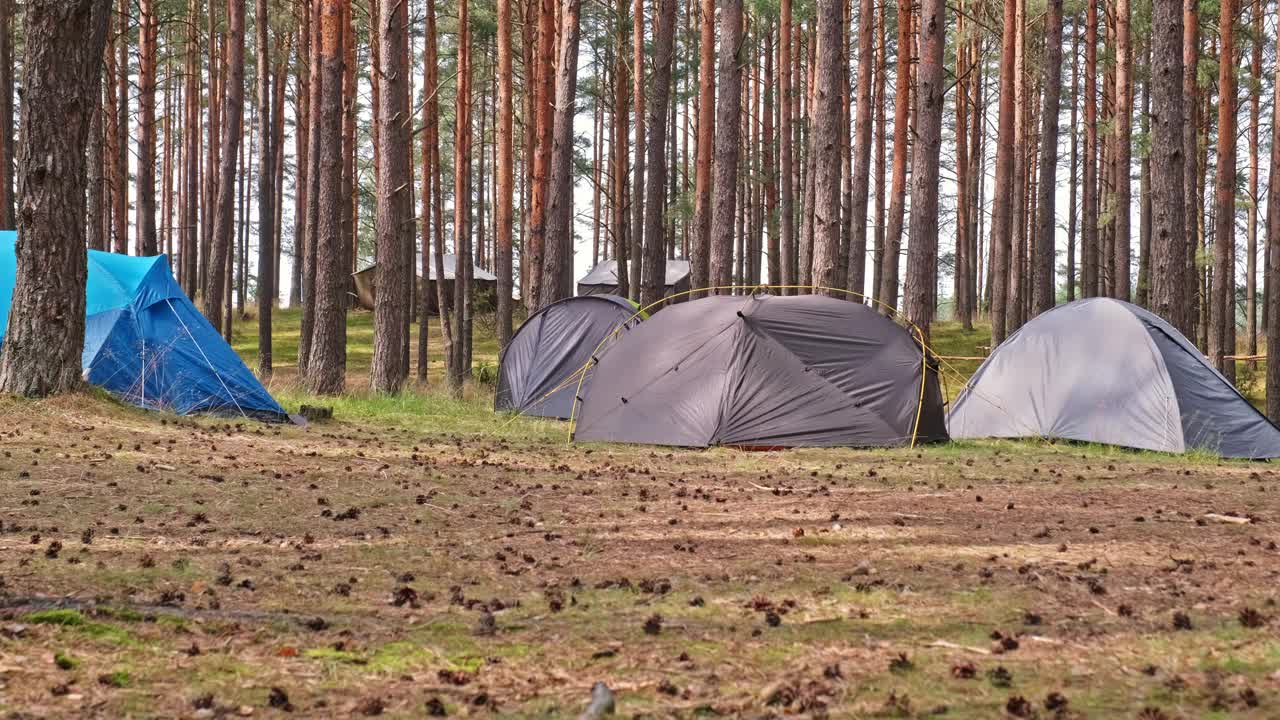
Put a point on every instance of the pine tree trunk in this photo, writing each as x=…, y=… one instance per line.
x=394, y=225
x=1194, y=299
x=558, y=248
x=95, y=208
x=62, y=67
x=963, y=311
x=1043, y=295
x=861, y=170
x=1089, y=199
x=881, y=123
x=887, y=294
x=1075, y=162
x=1251, y=257
x=1272, y=269
x=326, y=366
x=311, y=244
x=922, y=259
x=725, y=182
x=786, y=159
x=505, y=175
x=826, y=150
x=638, y=166
x=302, y=154
x=224, y=210
x=266, y=192
x=1002, y=209
x=544, y=93
x=6, y=116
x=458, y=371
x=1222, y=305
x=653, y=275
x=146, y=188
x=700, y=254
x=1018, y=194
x=1120, y=280
x=621, y=199
x=191, y=156
x=1142, y=294
x=118, y=125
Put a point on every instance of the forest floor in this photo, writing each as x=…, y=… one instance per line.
x=422, y=556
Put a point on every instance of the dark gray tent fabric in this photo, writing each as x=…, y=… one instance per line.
x=1105, y=371
x=537, y=371
x=763, y=371
x=603, y=279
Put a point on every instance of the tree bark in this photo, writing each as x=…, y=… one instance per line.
x=1190, y=298
x=394, y=226
x=430, y=198
x=1120, y=280
x=654, y=274
x=1089, y=199
x=860, y=174
x=922, y=259
x=826, y=141
x=146, y=187
x=1043, y=295
x=224, y=211
x=326, y=367
x=558, y=247
x=725, y=182
x=62, y=70
x=505, y=176
x=700, y=254
x=1014, y=315
x=266, y=192
x=1222, y=305
x=638, y=166
x=1251, y=257
x=458, y=370
x=544, y=89
x=887, y=294
x=1001, y=212
x=97, y=239
x=1273, y=257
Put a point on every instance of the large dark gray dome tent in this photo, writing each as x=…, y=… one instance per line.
x=537, y=374
x=764, y=372
x=1101, y=370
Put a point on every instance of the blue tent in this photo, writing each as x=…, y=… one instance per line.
x=145, y=342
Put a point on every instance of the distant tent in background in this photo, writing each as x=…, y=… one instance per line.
x=483, y=283
x=538, y=372
x=603, y=279
x=764, y=372
x=148, y=345
x=1104, y=371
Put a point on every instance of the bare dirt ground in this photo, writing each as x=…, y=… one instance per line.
x=157, y=567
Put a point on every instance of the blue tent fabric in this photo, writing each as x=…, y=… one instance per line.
x=148, y=345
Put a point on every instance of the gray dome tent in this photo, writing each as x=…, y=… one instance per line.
x=764, y=371
x=537, y=374
x=1101, y=370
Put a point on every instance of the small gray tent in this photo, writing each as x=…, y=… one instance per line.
x=1101, y=370
x=764, y=372
x=603, y=279
x=538, y=372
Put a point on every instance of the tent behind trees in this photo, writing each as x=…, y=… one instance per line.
x=148, y=345
x=1105, y=371
x=539, y=373
x=483, y=283
x=603, y=279
x=764, y=371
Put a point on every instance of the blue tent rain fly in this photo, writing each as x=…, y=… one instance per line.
x=145, y=342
